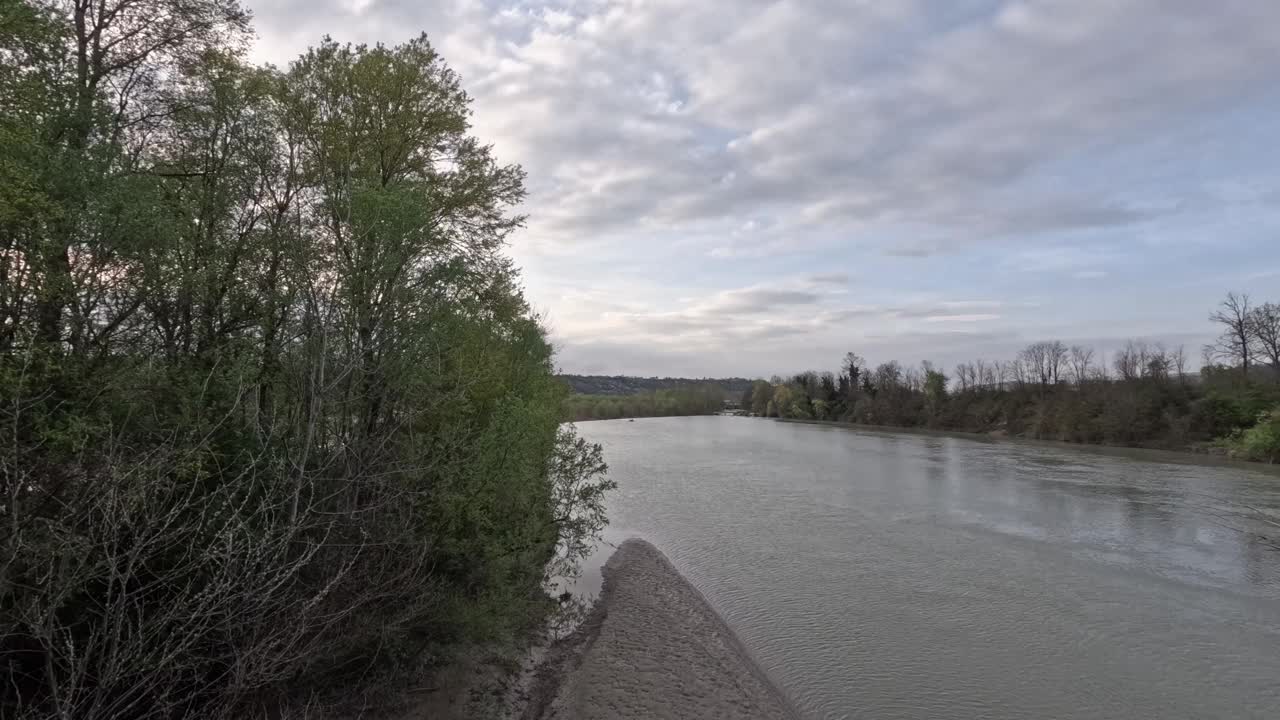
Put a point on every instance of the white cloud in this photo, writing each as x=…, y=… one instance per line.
x=962, y=318
x=736, y=130
x=831, y=278
x=661, y=113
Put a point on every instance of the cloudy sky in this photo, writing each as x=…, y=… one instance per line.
x=756, y=186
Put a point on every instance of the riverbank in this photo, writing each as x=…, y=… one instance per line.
x=1201, y=454
x=651, y=648
x=577, y=421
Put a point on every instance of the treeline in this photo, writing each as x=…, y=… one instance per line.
x=276, y=416
x=631, y=385
x=707, y=399
x=1144, y=396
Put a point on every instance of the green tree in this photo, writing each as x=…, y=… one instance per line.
x=279, y=414
x=761, y=396
x=935, y=391
x=784, y=401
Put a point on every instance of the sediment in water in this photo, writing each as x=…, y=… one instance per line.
x=652, y=648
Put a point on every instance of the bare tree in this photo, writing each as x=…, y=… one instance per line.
x=1235, y=344
x=1017, y=373
x=1081, y=359
x=1057, y=360
x=1001, y=371
x=1130, y=360
x=988, y=374
x=1179, y=359
x=1032, y=359
x=1264, y=323
x=1046, y=360
x=1157, y=362
x=913, y=379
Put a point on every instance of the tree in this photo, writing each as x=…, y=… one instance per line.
x=1159, y=362
x=1235, y=344
x=827, y=396
x=784, y=401
x=1131, y=361
x=935, y=390
x=1081, y=358
x=33, y=74
x=761, y=396
x=966, y=375
x=1179, y=360
x=1045, y=361
x=117, y=57
x=854, y=368
x=988, y=375
x=1264, y=326
x=1018, y=372
x=887, y=377
x=277, y=411
x=1003, y=372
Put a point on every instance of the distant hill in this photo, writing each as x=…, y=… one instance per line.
x=627, y=385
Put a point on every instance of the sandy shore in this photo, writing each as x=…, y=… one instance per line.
x=651, y=648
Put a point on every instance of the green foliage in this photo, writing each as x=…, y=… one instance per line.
x=935, y=392
x=799, y=410
x=277, y=414
x=807, y=396
x=761, y=398
x=783, y=400
x=1049, y=392
x=694, y=400
x=1260, y=442
x=1217, y=414
x=821, y=408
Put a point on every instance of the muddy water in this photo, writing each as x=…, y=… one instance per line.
x=886, y=575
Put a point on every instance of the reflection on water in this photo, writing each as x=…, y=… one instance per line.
x=901, y=576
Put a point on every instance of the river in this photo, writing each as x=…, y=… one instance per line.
x=887, y=575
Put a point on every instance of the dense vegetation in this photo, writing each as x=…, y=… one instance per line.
x=705, y=399
x=629, y=385
x=275, y=413
x=1143, y=397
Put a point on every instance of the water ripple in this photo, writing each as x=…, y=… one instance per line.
x=897, y=576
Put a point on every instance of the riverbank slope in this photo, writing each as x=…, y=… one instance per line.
x=652, y=648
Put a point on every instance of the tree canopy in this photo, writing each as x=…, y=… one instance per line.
x=276, y=410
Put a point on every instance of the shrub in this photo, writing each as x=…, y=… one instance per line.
x=1260, y=442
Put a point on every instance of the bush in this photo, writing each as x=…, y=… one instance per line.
x=1261, y=442
x=1216, y=415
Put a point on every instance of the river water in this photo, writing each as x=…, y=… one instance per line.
x=886, y=575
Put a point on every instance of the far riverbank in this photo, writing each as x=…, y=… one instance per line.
x=1198, y=454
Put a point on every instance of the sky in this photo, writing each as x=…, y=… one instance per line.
x=750, y=187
